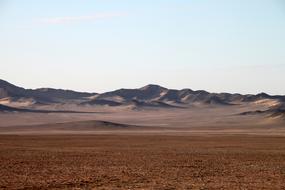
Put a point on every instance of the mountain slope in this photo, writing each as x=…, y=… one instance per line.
x=145, y=93
x=150, y=95
x=147, y=96
x=40, y=95
x=10, y=90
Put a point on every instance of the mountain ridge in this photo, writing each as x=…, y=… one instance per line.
x=147, y=96
x=40, y=94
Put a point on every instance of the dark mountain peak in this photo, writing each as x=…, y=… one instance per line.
x=54, y=90
x=153, y=87
x=145, y=93
x=5, y=84
x=263, y=95
x=7, y=89
x=44, y=89
x=201, y=92
x=186, y=90
x=250, y=97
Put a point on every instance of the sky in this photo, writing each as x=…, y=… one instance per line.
x=235, y=46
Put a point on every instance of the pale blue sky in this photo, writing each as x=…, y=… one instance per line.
x=102, y=45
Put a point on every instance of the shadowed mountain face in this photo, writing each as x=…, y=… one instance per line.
x=147, y=96
x=47, y=95
x=148, y=92
x=154, y=95
x=10, y=90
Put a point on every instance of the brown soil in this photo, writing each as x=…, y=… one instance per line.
x=142, y=162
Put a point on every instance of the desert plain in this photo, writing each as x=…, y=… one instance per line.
x=121, y=143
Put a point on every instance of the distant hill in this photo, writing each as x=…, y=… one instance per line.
x=39, y=95
x=150, y=96
x=157, y=96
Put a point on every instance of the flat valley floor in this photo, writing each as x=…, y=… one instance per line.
x=142, y=161
x=112, y=148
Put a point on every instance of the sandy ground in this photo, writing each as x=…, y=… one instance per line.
x=197, y=148
x=215, y=120
x=142, y=162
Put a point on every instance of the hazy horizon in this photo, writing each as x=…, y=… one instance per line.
x=98, y=46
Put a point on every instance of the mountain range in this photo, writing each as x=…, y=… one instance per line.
x=150, y=96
